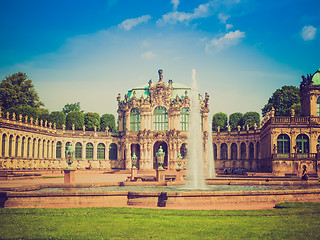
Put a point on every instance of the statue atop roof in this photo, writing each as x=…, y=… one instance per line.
x=160, y=75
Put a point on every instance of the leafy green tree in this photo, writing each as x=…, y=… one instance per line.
x=91, y=120
x=250, y=118
x=75, y=118
x=283, y=100
x=43, y=114
x=57, y=117
x=17, y=90
x=24, y=111
x=235, y=120
x=219, y=119
x=108, y=120
x=72, y=107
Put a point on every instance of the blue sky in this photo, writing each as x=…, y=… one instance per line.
x=89, y=51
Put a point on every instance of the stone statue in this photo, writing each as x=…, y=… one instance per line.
x=160, y=75
x=69, y=156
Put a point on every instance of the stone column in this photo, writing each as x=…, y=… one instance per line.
x=83, y=157
x=95, y=151
x=13, y=147
x=127, y=115
x=218, y=150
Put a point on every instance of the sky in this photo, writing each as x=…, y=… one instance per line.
x=89, y=51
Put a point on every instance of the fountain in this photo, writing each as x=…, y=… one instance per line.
x=195, y=169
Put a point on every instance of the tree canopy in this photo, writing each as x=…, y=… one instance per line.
x=91, y=120
x=108, y=120
x=57, y=117
x=17, y=90
x=219, y=119
x=283, y=100
x=251, y=118
x=75, y=118
x=72, y=107
x=235, y=120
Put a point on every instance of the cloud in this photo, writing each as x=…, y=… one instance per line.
x=130, y=23
x=223, y=18
x=308, y=33
x=226, y=41
x=175, y=4
x=202, y=11
x=148, y=55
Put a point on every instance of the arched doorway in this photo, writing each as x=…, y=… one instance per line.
x=156, y=147
x=135, y=148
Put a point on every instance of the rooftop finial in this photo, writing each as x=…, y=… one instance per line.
x=160, y=75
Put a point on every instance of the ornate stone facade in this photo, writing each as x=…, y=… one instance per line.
x=157, y=115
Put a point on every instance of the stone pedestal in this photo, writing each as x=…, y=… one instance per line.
x=69, y=175
x=179, y=176
x=134, y=172
x=161, y=175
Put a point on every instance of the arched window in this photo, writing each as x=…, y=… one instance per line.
x=183, y=150
x=135, y=119
x=4, y=138
x=101, y=151
x=48, y=150
x=39, y=144
x=160, y=119
x=302, y=143
x=234, y=151
x=251, y=151
x=243, y=151
x=215, y=151
x=43, y=149
x=224, y=151
x=58, y=150
x=23, y=146
x=17, y=146
x=184, y=119
x=89, y=151
x=283, y=144
x=258, y=150
x=28, y=147
x=318, y=107
x=34, y=148
x=78, y=151
x=113, y=151
x=10, y=145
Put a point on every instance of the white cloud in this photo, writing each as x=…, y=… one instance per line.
x=175, y=4
x=223, y=18
x=202, y=11
x=308, y=33
x=226, y=41
x=228, y=26
x=148, y=55
x=130, y=23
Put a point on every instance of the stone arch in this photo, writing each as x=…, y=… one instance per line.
x=135, y=148
x=113, y=151
x=243, y=151
x=215, y=151
x=23, y=146
x=251, y=151
x=89, y=151
x=58, y=150
x=11, y=146
x=302, y=143
x=283, y=143
x=234, y=151
x=3, y=150
x=101, y=151
x=156, y=147
x=223, y=151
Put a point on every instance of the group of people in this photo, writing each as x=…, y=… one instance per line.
x=236, y=171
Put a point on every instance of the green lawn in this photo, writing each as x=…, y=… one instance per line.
x=293, y=221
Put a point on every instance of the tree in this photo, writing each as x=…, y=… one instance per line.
x=219, y=119
x=235, y=120
x=57, y=117
x=91, y=120
x=72, y=107
x=43, y=114
x=251, y=118
x=75, y=118
x=108, y=120
x=17, y=90
x=24, y=111
x=283, y=100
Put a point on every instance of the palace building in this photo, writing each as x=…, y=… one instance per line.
x=157, y=115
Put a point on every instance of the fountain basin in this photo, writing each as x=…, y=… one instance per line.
x=75, y=196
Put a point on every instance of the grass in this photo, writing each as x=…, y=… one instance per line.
x=289, y=221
